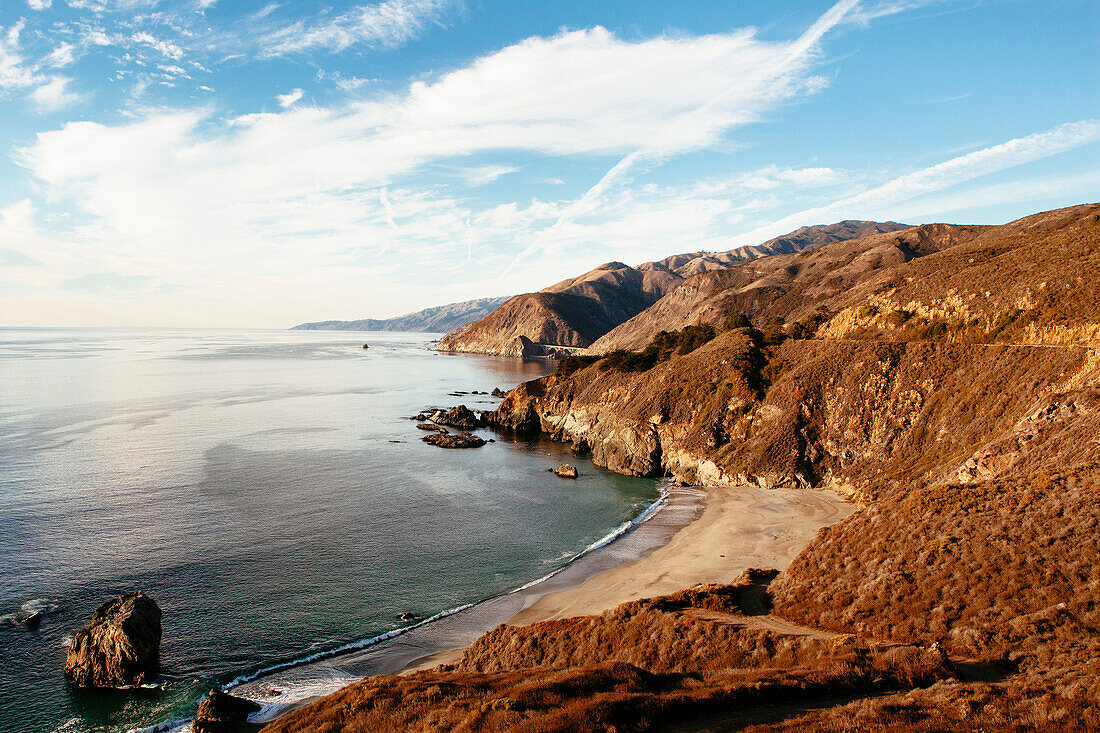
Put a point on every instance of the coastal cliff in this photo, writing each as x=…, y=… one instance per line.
x=947, y=379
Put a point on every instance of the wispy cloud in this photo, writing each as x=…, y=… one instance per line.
x=383, y=25
x=941, y=176
x=54, y=94
x=289, y=99
x=15, y=74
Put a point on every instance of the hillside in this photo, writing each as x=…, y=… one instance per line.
x=576, y=312
x=947, y=379
x=440, y=319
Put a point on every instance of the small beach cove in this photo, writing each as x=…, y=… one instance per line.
x=695, y=536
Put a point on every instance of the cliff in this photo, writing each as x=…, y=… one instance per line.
x=948, y=379
x=440, y=319
x=576, y=312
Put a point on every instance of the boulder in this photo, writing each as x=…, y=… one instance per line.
x=429, y=426
x=220, y=712
x=498, y=392
x=33, y=620
x=459, y=417
x=120, y=647
x=566, y=471
x=454, y=440
x=366, y=346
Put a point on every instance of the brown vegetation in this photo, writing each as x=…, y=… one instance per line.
x=948, y=378
x=574, y=675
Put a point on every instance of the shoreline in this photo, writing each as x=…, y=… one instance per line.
x=697, y=535
x=290, y=686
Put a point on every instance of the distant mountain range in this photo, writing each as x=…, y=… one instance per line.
x=575, y=313
x=440, y=319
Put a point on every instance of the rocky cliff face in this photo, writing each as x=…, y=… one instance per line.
x=878, y=407
x=576, y=312
x=120, y=646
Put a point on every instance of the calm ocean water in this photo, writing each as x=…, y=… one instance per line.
x=267, y=490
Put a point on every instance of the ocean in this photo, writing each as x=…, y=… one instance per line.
x=268, y=490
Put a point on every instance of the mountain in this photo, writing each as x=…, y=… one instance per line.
x=576, y=312
x=440, y=319
x=947, y=379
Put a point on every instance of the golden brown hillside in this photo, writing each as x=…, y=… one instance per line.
x=576, y=312
x=948, y=380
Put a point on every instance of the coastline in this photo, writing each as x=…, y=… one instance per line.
x=695, y=536
x=288, y=687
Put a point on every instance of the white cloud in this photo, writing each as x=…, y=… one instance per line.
x=54, y=94
x=39, y=4
x=286, y=192
x=14, y=74
x=63, y=55
x=384, y=25
x=486, y=174
x=939, y=177
x=288, y=99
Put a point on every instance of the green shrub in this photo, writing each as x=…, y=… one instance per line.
x=573, y=363
x=736, y=320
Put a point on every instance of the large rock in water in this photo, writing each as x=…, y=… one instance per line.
x=120, y=647
x=460, y=417
x=220, y=712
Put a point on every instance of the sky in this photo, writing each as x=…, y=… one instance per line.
x=217, y=164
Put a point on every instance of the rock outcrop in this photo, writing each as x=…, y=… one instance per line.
x=220, y=712
x=566, y=470
x=459, y=417
x=120, y=647
x=454, y=440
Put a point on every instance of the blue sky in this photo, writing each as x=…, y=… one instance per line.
x=257, y=164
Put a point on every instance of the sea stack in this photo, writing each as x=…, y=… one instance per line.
x=566, y=471
x=120, y=647
x=220, y=712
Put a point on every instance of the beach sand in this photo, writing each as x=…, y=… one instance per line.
x=700, y=536
x=739, y=528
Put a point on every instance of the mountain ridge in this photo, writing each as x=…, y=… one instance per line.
x=577, y=311
x=437, y=319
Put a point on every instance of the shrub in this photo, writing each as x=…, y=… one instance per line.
x=573, y=363
x=736, y=320
x=661, y=348
x=897, y=317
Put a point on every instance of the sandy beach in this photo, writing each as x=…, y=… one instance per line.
x=739, y=528
x=699, y=536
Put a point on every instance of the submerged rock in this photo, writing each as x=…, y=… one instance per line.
x=120, y=647
x=220, y=712
x=33, y=620
x=433, y=428
x=566, y=471
x=407, y=616
x=454, y=440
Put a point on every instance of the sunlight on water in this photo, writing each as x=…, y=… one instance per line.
x=268, y=490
